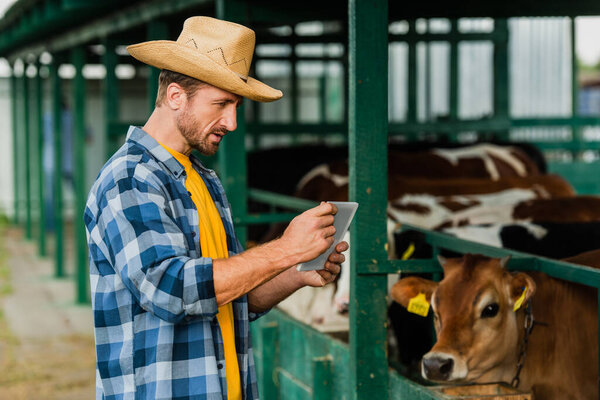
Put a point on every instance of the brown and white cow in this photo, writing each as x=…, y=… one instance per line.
x=480, y=336
x=562, y=209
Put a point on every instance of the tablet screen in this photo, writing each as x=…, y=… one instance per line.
x=342, y=220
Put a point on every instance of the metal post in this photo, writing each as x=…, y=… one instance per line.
x=15, y=129
x=412, y=77
x=322, y=378
x=294, y=80
x=232, y=157
x=368, y=127
x=323, y=95
x=26, y=153
x=454, y=71
x=155, y=30
x=110, y=92
x=270, y=345
x=576, y=131
x=40, y=162
x=57, y=112
x=501, y=73
x=81, y=274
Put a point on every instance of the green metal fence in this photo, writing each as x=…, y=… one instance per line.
x=289, y=352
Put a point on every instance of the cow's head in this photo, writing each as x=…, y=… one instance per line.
x=478, y=333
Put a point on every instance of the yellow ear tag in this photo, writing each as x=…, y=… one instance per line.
x=409, y=252
x=418, y=305
x=520, y=300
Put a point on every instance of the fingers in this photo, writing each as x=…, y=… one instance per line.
x=342, y=246
x=336, y=258
x=329, y=232
x=323, y=209
x=327, y=276
x=333, y=268
x=326, y=220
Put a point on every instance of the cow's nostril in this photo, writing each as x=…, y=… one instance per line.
x=446, y=367
x=437, y=368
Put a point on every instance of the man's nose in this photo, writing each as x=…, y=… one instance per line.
x=230, y=119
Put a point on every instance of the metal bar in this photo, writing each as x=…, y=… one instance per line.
x=501, y=71
x=323, y=95
x=368, y=119
x=40, y=163
x=454, y=71
x=120, y=21
x=322, y=378
x=574, y=121
x=58, y=159
x=341, y=58
x=411, y=116
x=414, y=37
x=81, y=274
x=26, y=153
x=155, y=30
x=15, y=128
x=523, y=261
x=270, y=345
x=281, y=200
x=296, y=128
x=576, y=133
x=232, y=157
x=251, y=219
x=294, y=95
x=110, y=92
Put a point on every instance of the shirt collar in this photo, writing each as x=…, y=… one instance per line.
x=141, y=137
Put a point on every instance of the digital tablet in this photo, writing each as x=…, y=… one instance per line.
x=341, y=222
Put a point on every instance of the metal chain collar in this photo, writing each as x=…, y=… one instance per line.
x=528, y=325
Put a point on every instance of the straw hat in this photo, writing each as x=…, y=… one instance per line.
x=214, y=51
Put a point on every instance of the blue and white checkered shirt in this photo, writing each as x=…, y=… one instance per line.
x=157, y=335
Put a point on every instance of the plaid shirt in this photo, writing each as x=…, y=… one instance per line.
x=157, y=335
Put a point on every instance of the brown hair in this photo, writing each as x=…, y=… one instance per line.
x=190, y=85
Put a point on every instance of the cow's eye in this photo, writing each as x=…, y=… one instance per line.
x=490, y=310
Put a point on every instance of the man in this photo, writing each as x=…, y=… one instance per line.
x=172, y=289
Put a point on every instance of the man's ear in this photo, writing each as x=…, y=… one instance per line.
x=176, y=97
x=522, y=288
x=407, y=288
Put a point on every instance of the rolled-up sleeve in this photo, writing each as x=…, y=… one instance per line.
x=148, y=250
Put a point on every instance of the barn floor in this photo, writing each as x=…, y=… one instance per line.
x=46, y=341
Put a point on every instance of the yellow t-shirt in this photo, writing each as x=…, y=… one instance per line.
x=213, y=242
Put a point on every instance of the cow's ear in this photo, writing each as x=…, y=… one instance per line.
x=407, y=288
x=522, y=288
x=442, y=260
x=504, y=261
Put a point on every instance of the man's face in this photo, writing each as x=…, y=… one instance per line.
x=207, y=117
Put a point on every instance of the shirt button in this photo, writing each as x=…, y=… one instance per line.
x=220, y=366
x=190, y=193
x=193, y=234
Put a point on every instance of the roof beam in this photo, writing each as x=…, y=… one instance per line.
x=121, y=21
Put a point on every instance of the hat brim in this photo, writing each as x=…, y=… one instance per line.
x=166, y=54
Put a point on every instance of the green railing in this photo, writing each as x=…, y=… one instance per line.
x=290, y=355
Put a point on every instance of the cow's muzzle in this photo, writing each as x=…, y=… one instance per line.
x=437, y=366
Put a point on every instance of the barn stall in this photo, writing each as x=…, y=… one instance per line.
x=345, y=57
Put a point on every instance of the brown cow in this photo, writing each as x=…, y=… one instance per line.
x=480, y=336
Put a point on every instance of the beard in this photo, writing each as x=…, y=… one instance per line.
x=187, y=125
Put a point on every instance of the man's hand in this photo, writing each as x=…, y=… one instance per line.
x=332, y=268
x=310, y=233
